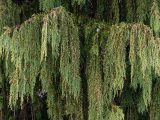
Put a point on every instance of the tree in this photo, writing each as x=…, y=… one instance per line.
x=79, y=59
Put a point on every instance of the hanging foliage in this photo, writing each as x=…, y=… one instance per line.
x=155, y=56
x=2, y=15
x=49, y=50
x=117, y=62
x=114, y=62
x=60, y=38
x=9, y=14
x=115, y=114
x=130, y=4
x=25, y=57
x=155, y=18
x=142, y=45
x=46, y=5
x=154, y=108
x=65, y=47
x=113, y=11
x=94, y=39
x=141, y=61
x=142, y=11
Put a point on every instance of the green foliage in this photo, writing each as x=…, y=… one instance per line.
x=79, y=2
x=93, y=39
x=46, y=5
x=114, y=11
x=119, y=63
x=130, y=11
x=9, y=13
x=114, y=62
x=142, y=10
x=141, y=60
x=101, y=43
x=116, y=113
x=155, y=56
x=155, y=18
x=60, y=54
x=25, y=57
x=41, y=45
x=100, y=8
x=110, y=46
x=154, y=107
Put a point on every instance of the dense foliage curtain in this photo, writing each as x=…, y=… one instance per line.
x=79, y=59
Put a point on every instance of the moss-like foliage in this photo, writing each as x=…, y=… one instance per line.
x=114, y=61
x=60, y=55
x=109, y=44
x=155, y=17
x=9, y=14
x=93, y=40
x=47, y=45
x=46, y=5
x=96, y=70
x=154, y=107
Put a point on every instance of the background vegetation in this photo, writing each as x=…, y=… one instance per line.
x=79, y=59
